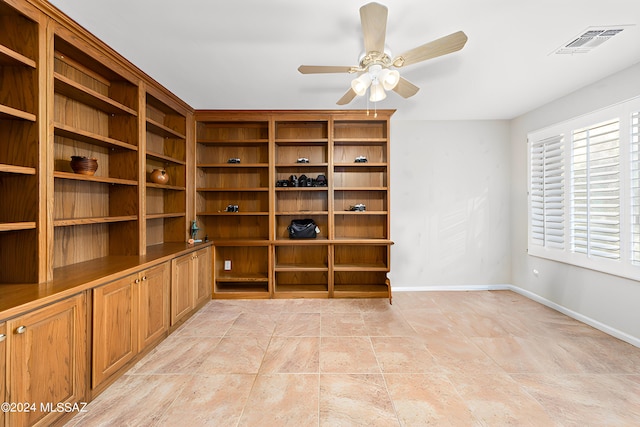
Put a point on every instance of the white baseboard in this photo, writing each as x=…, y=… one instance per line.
x=635, y=341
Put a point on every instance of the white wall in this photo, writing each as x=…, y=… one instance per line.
x=450, y=203
x=609, y=301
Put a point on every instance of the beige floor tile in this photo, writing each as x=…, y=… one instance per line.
x=587, y=399
x=292, y=355
x=528, y=355
x=429, y=322
x=253, y=324
x=235, y=355
x=414, y=301
x=403, y=355
x=432, y=358
x=176, y=355
x=298, y=325
x=210, y=400
x=282, y=400
x=498, y=400
x=388, y=324
x=355, y=400
x=342, y=325
x=458, y=354
x=347, y=355
x=208, y=324
x=133, y=400
x=476, y=325
x=427, y=400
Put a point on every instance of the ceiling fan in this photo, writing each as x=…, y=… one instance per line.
x=377, y=71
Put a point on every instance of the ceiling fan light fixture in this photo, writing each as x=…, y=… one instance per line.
x=389, y=78
x=361, y=84
x=377, y=92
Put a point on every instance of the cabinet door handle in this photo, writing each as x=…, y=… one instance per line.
x=144, y=277
x=2, y=337
x=137, y=280
x=21, y=329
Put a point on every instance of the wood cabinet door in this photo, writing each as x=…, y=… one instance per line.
x=114, y=327
x=202, y=285
x=47, y=359
x=153, y=293
x=3, y=361
x=181, y=287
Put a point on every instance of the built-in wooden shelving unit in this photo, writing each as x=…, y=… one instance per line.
x=349, y=257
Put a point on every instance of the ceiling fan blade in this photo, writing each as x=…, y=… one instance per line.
x=347, y=97
x=405, y=88
x=442, y=46
x=320, y=69
x=373, y=18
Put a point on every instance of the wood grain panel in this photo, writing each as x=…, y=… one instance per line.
x=25, y=78
x=115, y=322
x=220, y=154
x=24, y=153
x=72, y=245
x=47, y=361
x=154, y=299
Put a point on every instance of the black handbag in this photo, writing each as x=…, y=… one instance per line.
x=302, y=229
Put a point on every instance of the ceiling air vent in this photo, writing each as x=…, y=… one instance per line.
x=589, y=39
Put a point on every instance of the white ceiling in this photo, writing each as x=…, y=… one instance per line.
x=244, y=54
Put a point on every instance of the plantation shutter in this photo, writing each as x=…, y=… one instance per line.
x=547, y=192
x=635, y=187
x=595, y=198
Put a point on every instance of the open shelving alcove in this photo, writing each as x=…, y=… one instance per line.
x=242, y=155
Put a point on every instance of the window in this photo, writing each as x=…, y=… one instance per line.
x=547, y=192
x=595, y=190
x=635, y=187
x=584, y=191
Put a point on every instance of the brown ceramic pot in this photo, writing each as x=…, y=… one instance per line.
x=159, y=176
x=84, y=165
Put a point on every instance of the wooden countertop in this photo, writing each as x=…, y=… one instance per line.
x=16, y=299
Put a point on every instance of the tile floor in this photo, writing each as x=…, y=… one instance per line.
x=489, y=358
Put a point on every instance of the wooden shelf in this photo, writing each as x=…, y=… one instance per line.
x=352, y=241
x=9, y=113
x=302, y=165
x=89, y=178
x=360, y=213
x=361, y=189
x=320, y=240
x=302, y=188
x=297, y=290
x=12, y=58
x=233, y=165
x=359, y=141
x=231, y=142
x=17, y=226
x=302, y=141
x=162, y=130
x=222, y=213
x=360, y=267
x=298, y=267
x=71, y=89
x=165, y=186
x=361, y=165
x=238, y=278
x=163, y=158
x=70, y=132
x=301, y=213
x=95, y=220
x=150, y=216
x=232, y=189
x=20, y=170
